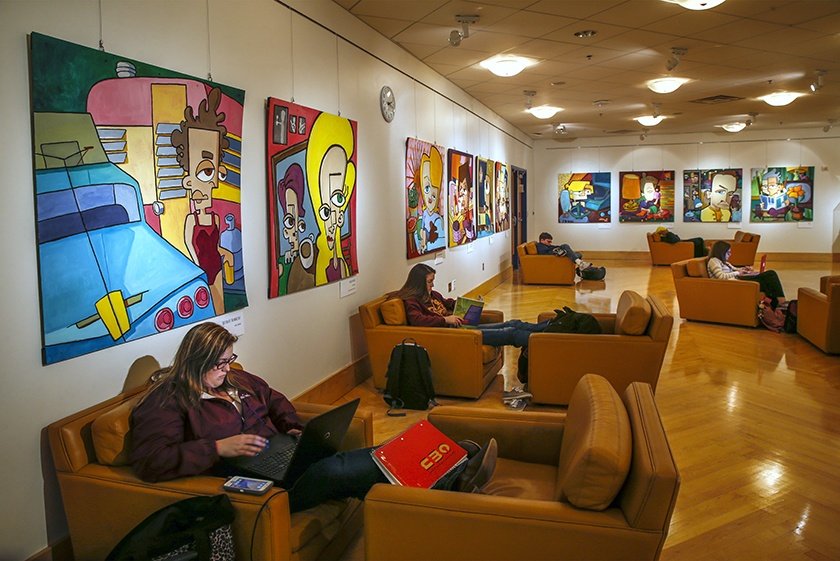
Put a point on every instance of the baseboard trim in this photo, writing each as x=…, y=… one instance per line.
x=595, y=256
x=338, y=384
x=61, y=550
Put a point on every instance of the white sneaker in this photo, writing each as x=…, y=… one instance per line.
x=583, y=264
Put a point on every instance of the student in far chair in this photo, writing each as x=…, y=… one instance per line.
x=545, y=247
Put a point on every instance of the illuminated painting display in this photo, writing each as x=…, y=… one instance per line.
x=712, y=195
x=485, y=199
x=781, y=194
x=311, y=197
x=461, y=198
x=646, y=196
x=502, y=197
x=137, y=185
x=584, y=197
x=425, y=230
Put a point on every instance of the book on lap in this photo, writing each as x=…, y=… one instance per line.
x=469, y=309
x=418, y=457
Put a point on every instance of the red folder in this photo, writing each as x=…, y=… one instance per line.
x=418, y=457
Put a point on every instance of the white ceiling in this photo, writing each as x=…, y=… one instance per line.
x=742, y=48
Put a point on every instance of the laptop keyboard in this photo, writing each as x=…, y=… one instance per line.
x=274, y=463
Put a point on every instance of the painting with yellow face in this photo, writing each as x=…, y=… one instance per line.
x=461, y=198
x=708, y=194
x=425, y=231
x=312, y=203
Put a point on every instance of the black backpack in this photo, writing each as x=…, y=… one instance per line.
x=569, y=321
x=409, y=378
x=790, y=316
x=592, y=273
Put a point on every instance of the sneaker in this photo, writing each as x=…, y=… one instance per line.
x=471, y=446
x=513, y=395
x=479, y=469
x=517, y=404
x=583, y=265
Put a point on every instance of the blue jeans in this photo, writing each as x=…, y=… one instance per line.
x=512, y=332
x=346, y=474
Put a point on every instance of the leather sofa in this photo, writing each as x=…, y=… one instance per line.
x=701, y=298
x=663, y=253
x=744, y=247
x=461, y=365
x=103, y=499
x=598, y=482
x=630, y=348
x=818, y=314
x=543, y=269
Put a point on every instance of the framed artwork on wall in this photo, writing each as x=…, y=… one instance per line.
x=137, y=187
x=712, y=195
x=425, y=228
x=461, y=196
x=501, y=200
x=782, y=194
x=646, y=196
x=485, y=196
x=584, y=197
x=311, y=197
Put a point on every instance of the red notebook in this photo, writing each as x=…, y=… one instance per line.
x=418, y=457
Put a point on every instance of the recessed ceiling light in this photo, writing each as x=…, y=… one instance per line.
x=778, y=99
x=649, y=120
x=544, y=111
x=666, y=85
x=507, y=65
x=697, y=4
x=736, y=126
x=585, y=34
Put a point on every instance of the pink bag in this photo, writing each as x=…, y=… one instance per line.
x=774, y=320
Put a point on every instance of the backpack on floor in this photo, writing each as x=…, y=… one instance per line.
x=791, y=313
x=569, y=321
x=774, y=320
x=409, y=378
x=592, y=273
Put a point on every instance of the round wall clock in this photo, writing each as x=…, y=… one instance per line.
x=387, y=103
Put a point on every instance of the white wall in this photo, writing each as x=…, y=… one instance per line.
x=745, y=150
x=294, y=341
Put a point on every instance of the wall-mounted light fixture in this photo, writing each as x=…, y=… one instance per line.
x=666, y=85
x=457, y=35
x=507, y=65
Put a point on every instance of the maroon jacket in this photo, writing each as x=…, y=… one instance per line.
x=169, y=441
x=419, y=314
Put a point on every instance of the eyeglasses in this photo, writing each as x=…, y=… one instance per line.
x=226, y=361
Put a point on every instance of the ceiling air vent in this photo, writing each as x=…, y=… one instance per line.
x=713, y=99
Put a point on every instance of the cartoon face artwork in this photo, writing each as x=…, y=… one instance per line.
x=722, y=188
x=431, y=192
x=204, y=171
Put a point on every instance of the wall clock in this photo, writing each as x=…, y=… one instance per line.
x=387, y=103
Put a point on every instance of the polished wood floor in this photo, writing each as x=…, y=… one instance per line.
x=753, y=418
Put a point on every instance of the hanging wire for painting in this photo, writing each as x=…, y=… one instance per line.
x=415, y=110
x=101, y=42
x=209, y=42
x=292, y=54
x=337, y=75
x=434, y=116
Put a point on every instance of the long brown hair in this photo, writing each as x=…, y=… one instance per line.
x=197, y=354
x=719, y=250
x=415, y=284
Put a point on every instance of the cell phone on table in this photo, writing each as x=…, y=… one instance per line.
x=248, y=485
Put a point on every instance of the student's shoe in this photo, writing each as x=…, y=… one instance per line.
x=479, y=469
x=471, y=446
x=583, y=265
x=516, y=394
x=517, y=404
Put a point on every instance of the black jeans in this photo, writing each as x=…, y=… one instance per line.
x=770, y=285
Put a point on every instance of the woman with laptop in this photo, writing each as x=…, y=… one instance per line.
x=202, y=411
x=719, y=267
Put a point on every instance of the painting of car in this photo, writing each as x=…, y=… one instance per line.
x=106, y=277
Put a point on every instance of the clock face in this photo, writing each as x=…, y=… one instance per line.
x=387, y=103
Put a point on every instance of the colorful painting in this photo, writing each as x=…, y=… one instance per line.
x=782, y=194
x=311, y=197
x=461, y=198
x=712, y=195
x=425, y=231
x=501, y=200
x=646, y=196
x=584, y=197
x=137, y=186
x=485, y=199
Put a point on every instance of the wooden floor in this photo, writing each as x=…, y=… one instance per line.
x=753, y=418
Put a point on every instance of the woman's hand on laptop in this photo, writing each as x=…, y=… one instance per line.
x=294, y=432
x=241, y=445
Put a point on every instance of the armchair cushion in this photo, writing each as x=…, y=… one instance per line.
x=697, y=268
x=632, y=315
x=393, y=312
x=597, y=444
x=531, y=248
x=110, y=434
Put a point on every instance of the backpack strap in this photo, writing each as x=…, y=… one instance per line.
x=392, y=383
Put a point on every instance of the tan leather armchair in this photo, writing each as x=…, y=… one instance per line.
x=103, y=499
x=543, y=269
x=744, y=247
x=599, y=482
x=630, y=348
x=818, y=318
x=461, y=365
x=714, y=300
x=662, y=253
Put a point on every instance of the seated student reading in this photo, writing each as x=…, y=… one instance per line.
x=546, y=247
x=203, y=410
x=719, y=267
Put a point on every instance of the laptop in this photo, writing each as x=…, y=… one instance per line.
x=286, y=457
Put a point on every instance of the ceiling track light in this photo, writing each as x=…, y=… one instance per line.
x=676, y=57
x=560, y=129
x=456, y=35
x=830, y=125
x=643, y=136
x=817, y=84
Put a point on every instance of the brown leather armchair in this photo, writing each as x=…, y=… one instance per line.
x=744, y=247
x=599, y=482
x=543, y=269
x=715, y=300
x=630, y=348
x=818, y=318
x=662, y=253
x=461, y=365
x=104, y=500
